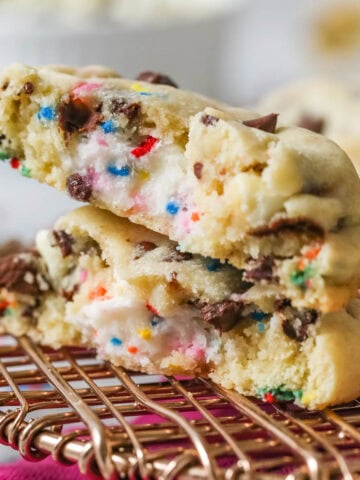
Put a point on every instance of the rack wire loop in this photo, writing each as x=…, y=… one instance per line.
x=121, y=425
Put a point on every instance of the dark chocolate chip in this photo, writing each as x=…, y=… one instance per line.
x=5, y=86
x=259, y=269
x=223, y=315
x=312, y=122
x=28, y=88
x=296, y=324
x=121, y=107
x=281, y=303
x=266, y=123
x=18, y=273
x=177, y=256
x=144, y=247
x=75, y=115
x=69, y=294
x=198, y=167
x=79, y=187
x=29, y=311
x=209, y=120
x=297, y=225
x=64, y=241
x=156, y=78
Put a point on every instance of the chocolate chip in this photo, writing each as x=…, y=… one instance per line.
x=223, y=315
x=313, y=123
x=77, y=115
x=266, y=123
x=69, y=294
x=19, y=273
x=296, y=324
x=79, y=187
x=64, y=241
x=121, y=107
x=281, y=303
x=156, y=78
x=144, y=247
x=198, y=170
x=29, y=311
x=209, y=120
x=28, y=88
x=259, y=269
x=297, y=225
x=177, y=256
x=5, y=86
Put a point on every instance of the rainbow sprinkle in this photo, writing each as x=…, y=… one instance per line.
x=25, y=171
x=116, y=342
x=132, y=349
x=109, y=127
x=46, y=114
x=212, y=264
x=145, y=147
x=261, y=327
x=4, y=156
x=271, y=395
x=119, y=172
x=145, y=333
x=258, y=315
x=155, y=321
x=172, y=208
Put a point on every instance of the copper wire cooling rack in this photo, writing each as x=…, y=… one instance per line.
x=115, y=424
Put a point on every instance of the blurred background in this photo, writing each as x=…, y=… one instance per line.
x=233, y=50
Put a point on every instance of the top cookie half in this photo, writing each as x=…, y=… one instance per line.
x=219, y=181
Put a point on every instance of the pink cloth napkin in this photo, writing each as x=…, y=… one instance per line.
x=45, y=470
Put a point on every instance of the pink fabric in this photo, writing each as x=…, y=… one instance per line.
x=45, y=470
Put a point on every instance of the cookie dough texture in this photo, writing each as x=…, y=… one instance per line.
x=327, y=106
x=99, y=281
x=219, y=181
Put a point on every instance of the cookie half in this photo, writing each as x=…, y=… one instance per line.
x=99, y=281
x=221, y=182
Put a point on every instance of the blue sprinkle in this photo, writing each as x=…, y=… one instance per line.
x=116, y=342
x=119, y=172
x=172, y=208
x=46, y=113
x=261, y=327
x=258, y=316
x=154, y=322
x=212, y=264
x=109, y=126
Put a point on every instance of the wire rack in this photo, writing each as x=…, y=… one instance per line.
x=117, y=424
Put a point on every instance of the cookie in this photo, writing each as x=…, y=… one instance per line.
x=221, y=182
x=324, y=106
x=99, y=281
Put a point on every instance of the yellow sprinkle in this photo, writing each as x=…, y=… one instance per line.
x=139, y=88
x=308, y=397
x=143, y=175
x=145, y=334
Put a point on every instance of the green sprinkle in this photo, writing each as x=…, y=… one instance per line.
x=280, y=393
x=4, y=156
x=8, y=312
x=25, y=171
x=299, y=278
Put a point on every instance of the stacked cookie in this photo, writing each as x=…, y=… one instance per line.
x=223, y=244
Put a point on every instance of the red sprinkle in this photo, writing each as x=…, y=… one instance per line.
x=145, y=147
x=15, y=163
x=269, y=398
x=4, y=305
x=152, y=309
x=132, y=349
